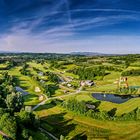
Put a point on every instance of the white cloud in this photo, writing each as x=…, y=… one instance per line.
x=61, y=38
x=105, y=44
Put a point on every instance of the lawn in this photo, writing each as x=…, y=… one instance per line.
x=121, y=108
x=76, y=126
x=3, y=66
x=26, y=82
x=31, y=99
x=60, y=121
x=37, y=65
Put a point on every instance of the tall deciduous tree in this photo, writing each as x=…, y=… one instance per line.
x=14, y=102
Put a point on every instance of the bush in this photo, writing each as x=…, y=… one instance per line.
x=89, y=73
x=80, y=108
x=132, y=72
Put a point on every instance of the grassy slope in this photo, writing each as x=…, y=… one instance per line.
x=87, y=126
x=92, y=128
x=121, y=108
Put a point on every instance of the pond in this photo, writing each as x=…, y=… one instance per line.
x=115, y=98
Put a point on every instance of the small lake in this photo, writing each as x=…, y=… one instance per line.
x=115, y=98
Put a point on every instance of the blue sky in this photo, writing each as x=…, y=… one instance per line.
x=62, y=26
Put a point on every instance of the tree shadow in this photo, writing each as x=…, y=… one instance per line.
x=23, y=82
x=112, y=112
x=46, y=106
x=30, y=97
x=52, y=104
x=61, y=126
x=80, y=136
x=51, y=89
x=96, y=104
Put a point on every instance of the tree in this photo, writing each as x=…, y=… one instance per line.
x=2, y=111
x=2, y=102
x=62, y=137
x=8, y=89
x=14, y=102
x=50, y=89
x=112, y=112
x=30, y=138
x=138, y=113
x=28, y=119
x=8, y=125
x=25, y=134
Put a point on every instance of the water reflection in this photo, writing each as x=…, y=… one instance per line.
x=115, y=98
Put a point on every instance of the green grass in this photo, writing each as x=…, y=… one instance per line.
x=134, y=80
x=26, y=82
x=59, y=92
x=84, y=97
x=76, y=126
x=37, y=65
x=31, y=99
x=136, y=64
x=3, y=66
x=82, y=126
x=61, y=121
x=121, y=108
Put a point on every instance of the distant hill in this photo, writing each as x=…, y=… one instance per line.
x=61, y=54
x=89, y=53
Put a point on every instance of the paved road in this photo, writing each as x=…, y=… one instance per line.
x=58, y=97
x=19, y=89
x=42, y=103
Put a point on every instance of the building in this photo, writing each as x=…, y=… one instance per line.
x=87, y=83
x=89, y=106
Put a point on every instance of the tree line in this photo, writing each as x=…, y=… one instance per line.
x=89, y=73
x=133, y=72
x=80, y=107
